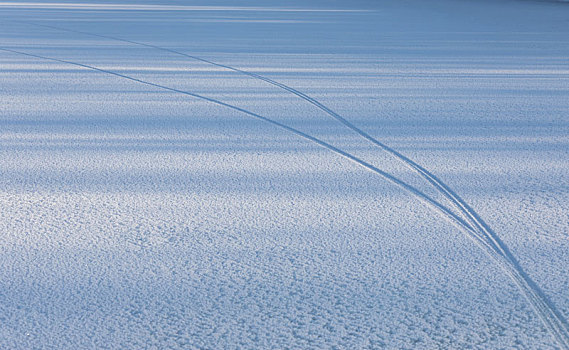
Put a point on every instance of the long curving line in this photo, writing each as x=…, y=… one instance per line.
x=458, y=221
x=559, y=327
x=448, y=214
x=453, y=197
x=456, y=200
x=549, y=315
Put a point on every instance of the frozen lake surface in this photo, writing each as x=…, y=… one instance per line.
x=284, y=174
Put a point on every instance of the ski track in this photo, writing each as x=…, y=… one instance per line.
x=474, y=226
x=500, y=253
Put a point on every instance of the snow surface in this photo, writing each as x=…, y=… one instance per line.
x=133, y=216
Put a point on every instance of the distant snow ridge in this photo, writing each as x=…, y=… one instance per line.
x=467, y=219
x=148, y=7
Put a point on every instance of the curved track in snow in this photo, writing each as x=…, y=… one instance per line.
x=473, y=226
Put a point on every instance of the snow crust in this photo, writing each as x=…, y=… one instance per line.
x=137, y=217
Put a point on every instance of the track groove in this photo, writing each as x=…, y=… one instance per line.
x=474, y=226
x=448, y=214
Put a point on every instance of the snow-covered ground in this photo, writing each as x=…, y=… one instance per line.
x=135, y=214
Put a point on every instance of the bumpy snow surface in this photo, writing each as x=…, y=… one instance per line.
x=284, y=174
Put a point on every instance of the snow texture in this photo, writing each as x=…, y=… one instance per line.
x=284, y=174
